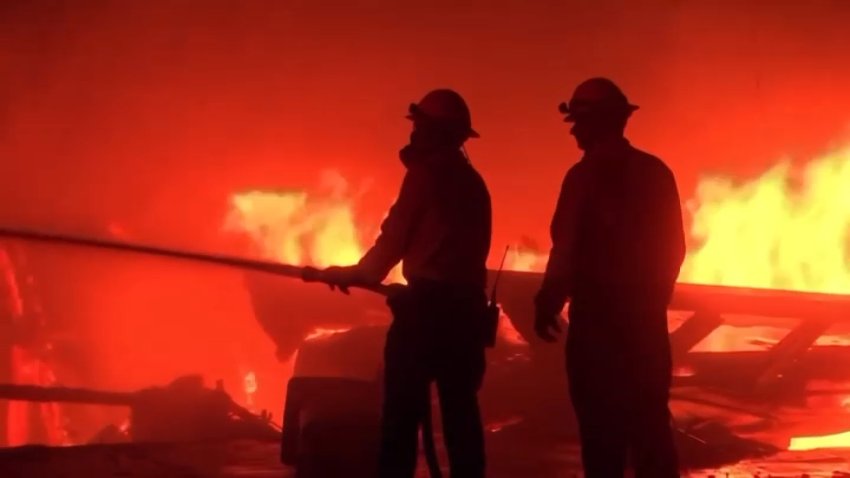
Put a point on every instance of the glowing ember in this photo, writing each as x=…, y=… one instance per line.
x=509, y=333
x=29, y=369
x=249, y=385
x=28, y=422
x=321, y=333
x=727, y=338
x=525, y=257
x=10, y=283
x=125, y=426
x=684, y=371
x=501, y=425
x=840, y=440
x=786, y=229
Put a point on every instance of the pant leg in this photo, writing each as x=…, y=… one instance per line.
x=651, y=435
x=459, y=378
x=599, y=404
x=406, y=383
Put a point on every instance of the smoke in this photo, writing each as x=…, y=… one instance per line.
x=150, y=114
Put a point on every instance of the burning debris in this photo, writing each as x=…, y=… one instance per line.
x=746, y=358
x=751, y=343
x=184, y=410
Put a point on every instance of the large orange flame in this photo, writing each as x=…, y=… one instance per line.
x=295, y=228
x=298, y=228
x=786, y=229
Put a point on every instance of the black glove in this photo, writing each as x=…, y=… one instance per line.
x=545, y=324
x=335, y=276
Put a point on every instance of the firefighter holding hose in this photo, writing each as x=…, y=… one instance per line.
x=617, y=246
x=439, y=227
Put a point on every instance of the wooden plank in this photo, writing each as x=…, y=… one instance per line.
x=783, y=357
x=696, y=328
x=721, y=299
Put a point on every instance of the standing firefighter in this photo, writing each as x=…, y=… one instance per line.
x=440, y=228
x=617, y=248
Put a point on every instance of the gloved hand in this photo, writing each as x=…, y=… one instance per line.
x=545, y=324
x=335, y=276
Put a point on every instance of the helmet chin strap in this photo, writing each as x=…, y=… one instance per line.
x=465, y=153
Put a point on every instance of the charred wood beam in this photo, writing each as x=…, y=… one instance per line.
x=762, y=302
x=787, y=354
x=699, y=396
x=693, y=331
x=734, y=372
x=723, y=299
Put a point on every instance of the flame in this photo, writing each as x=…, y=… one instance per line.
x=29, y=369
x=13, y=292
x=839, y=440
x=526, y=256
x=786, y=229
x=125, y=426
x=29, y=365
x=294, y=227
x=249, y=385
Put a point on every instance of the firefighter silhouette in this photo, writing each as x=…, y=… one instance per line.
x=617, y=246
x=440, y=228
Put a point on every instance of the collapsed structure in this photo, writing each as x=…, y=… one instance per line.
x=722, y=398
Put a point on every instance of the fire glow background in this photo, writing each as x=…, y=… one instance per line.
x=144, y=120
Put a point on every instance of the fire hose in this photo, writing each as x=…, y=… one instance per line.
x=307, y=274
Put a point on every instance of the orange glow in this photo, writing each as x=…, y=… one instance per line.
x=27, y=369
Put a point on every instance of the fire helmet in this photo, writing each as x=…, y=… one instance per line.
x=597, y=96
x=447, y=108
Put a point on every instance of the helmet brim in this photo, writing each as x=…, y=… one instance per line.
x=470, y=134
x=571, y=115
